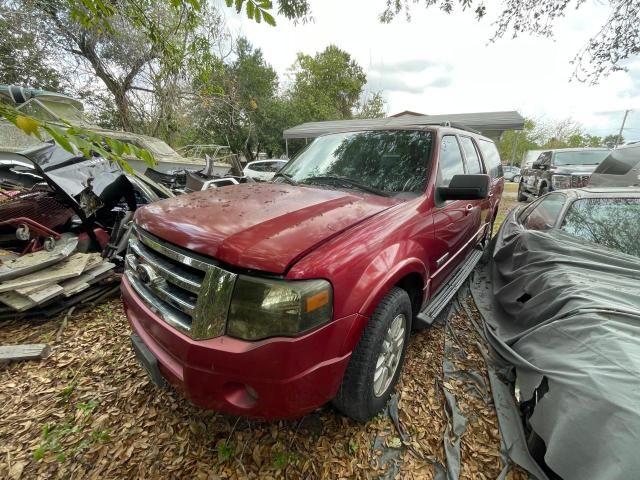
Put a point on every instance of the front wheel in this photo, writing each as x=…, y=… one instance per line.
x=376, y=361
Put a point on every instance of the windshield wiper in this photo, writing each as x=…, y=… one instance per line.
x=287, y=178
x=349, y=182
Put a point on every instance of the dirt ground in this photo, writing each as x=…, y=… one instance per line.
x=508, y=202
x=89, y=411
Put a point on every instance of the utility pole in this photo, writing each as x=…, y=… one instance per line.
x=624, y=120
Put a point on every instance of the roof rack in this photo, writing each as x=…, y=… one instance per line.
x=459, y=126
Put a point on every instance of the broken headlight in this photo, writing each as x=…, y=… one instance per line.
x=262, y=308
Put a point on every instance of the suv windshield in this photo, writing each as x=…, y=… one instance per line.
x=384, y=162
x=588, y=157
x=612, y=222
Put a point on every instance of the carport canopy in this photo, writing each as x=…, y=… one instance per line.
x=490, y=124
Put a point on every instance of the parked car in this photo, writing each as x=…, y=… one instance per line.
x=269, y=300
x=566, y=315
x=621, y=168
x=263, y=170
x=511, y=173
x=559, y=169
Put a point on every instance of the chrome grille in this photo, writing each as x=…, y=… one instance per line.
x=579, y=181
x=188, y=291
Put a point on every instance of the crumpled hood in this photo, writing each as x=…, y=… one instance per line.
x=575, y=169
x=261, y=226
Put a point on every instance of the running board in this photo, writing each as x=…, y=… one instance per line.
x=427, y=316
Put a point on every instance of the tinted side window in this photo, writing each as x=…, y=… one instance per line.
x=544, y=158
x=470, y=155
x=257, y=167
x=544, y=215
x=272, y=166
x=450, y=160
x=491, y=158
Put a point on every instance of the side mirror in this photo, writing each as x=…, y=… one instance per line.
x=466, y=187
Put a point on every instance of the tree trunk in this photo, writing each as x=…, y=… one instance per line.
x=122, y=104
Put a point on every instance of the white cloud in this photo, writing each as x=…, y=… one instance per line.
x=441, y=63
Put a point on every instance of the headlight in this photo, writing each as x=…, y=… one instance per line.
x=561, y=181
x=262, y=308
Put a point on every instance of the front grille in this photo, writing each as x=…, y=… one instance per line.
x=579, y=181
x=188, y=291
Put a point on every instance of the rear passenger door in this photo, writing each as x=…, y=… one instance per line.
x=455, y=222
x=493, y=166
x=473, y=165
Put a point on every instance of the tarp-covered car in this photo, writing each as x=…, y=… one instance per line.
x=565, y=313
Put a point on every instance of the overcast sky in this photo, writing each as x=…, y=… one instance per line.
x=441, y=63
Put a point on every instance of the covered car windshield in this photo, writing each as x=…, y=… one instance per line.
x=587, y=157
x=389, y=162
x=612, y=222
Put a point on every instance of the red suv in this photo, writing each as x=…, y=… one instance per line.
x=269, y=300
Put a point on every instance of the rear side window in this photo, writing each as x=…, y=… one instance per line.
x=544, y=215
x=272, y=166
x=491, y=158
x=612, y=222
x=470, y=155
x=450, y=160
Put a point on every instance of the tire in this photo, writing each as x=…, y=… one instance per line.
x=543, y=190
x=360, y=396
x=521, y=196
x=516, y=179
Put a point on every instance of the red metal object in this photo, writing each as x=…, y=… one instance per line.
x=363, y=244
x=38, y=234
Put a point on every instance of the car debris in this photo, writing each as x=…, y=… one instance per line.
x=64, y=227
x=13, y=353
x=218, y=172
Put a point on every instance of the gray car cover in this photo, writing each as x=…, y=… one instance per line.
x=569, y=311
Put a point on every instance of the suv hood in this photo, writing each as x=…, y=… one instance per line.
x=575, y=169
x=264, y=227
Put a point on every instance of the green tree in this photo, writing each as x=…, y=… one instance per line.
x=22, y=54
x=612, y=140
x=244, y=111
x=373, y=106
x=327, y=85
x=132, y=46
x=515, y=143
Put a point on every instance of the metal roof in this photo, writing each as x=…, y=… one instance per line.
x=491, y=124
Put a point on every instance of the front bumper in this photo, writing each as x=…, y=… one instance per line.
x=273, y=378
